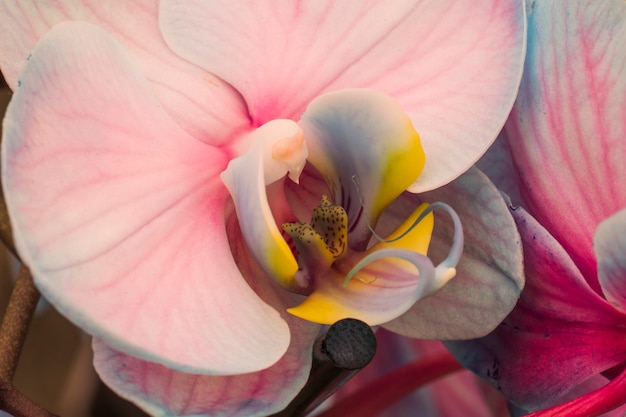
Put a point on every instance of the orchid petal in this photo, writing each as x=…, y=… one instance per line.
x=119, y=213
x=201, y=103
x=364, y=145
x=278, y=150
x=162, y=391
x=567, y=128
x=497, y=164
x=560, y=333
x=382, y=284
x=489, y=276
x=610, y=247
x=453, y=66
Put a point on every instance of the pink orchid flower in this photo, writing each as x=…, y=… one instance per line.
x=565, y=140
x=153, y=149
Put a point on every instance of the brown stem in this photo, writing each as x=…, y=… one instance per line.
x=15, y=323
x=18, y=405
x=13, y=331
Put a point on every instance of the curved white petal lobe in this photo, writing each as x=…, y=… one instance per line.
x=278, y=150
x=364, y=145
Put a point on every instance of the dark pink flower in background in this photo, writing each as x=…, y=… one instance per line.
x=562, y=160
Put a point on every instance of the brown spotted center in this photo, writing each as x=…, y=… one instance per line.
x=322, y=241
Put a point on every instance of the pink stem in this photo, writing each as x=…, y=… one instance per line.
x=385, y=391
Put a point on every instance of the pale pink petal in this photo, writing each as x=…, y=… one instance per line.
x=559, y=334
x=453, y=66
x=567, y=128
x=201, y=103
x=489, y=276
x=610, y=247
x=163, y=391
x=119, y=213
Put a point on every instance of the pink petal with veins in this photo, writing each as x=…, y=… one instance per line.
x=453, y=66
x=119, y=213
x=163, y=391
x=201, y=103
x=567, y=128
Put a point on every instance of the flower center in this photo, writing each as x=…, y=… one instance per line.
x=321, y=242
x=366, y=150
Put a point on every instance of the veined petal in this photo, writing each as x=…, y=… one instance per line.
x=161, y=391
x=382, y=285
x=610, y=247
x=453, y=66
x=165, y=392
x=119, y=213
x=567, y=128
x=489, y=276
x=201, y=103
x=278, y=150
x=559, y=334
x=364, y=145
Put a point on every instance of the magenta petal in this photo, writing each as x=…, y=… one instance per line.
x=119, y=213
x=559, y=334
x=489, y=276
x=453, y=66
x=568, y=125
x=201, y=103
x=610, y=246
